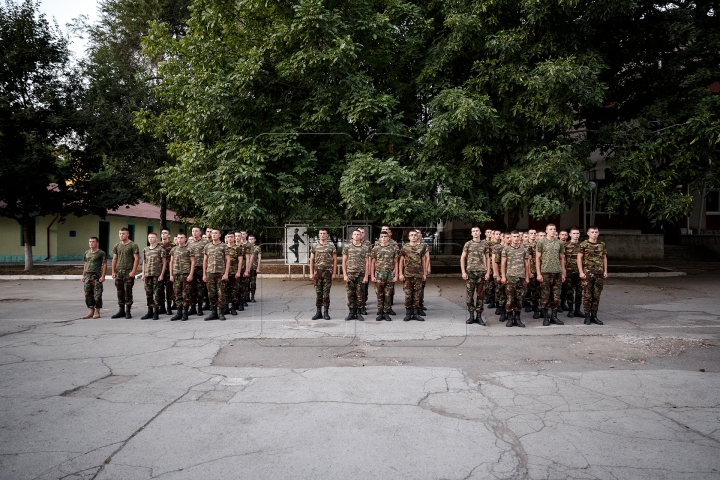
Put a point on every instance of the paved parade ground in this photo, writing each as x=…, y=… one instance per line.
x=272, y=394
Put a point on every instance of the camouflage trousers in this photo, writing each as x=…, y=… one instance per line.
x=199, y=288
x=551, y=287
x=515, y=291
x=183, y=290
x=93, y=290
x=532, y=292
x=573, y=291
x=233, y=289
x=243, y=288
x=412, y=288
x=592, y=287
x=383, y=289
x=124, y=286
x=152, y=291
x=253, y=281
x=355, y=289
x=490, y=287
x=422, y=293
x=216, y=290
x=500, y=296
x=323, y=282
x=475, y=283
x=167, y=291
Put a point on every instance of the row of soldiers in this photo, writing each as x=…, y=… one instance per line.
x=545, y=272
x=188, y=274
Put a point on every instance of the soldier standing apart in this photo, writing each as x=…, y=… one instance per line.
x=232, y=290
x=392, y=243
x=384, y=269
x=93, y=277
x=490, y=284
x=182, y=264
x=515, y=275
x=573, y=292
x=166, y=292
x=367, y=244
x=244, y=264
x=592, y=264
x=126, y=256
x=216, y=265
x=500, y=296
x=550, y=265
x=355, y=259
x=474, y=262
x=154, y=265
x=412, y=273
x=323, y=265
x=196, y=245
x=256, y=253
x=426, y=266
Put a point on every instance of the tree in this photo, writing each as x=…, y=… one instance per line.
x=43, y=168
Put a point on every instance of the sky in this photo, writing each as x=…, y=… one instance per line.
x=64, y=11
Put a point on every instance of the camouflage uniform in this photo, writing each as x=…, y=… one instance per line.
x=166, y=293
x=515, y=277
x=532, y=290
x=243, y=249
x=180, y=257
x=551, y=271
x=93, y=270
x=412, y=286
x=490, y=283
x=232, y=291
x=355, y=271
x=199, y=288
x=592, y=284
x=573, y=292
x=323, y=272
x=152, y=259
x=500, y=296
x=123, y=266
x=384, y=274
x=256, y=251
x=475, y=268
x=215, y=270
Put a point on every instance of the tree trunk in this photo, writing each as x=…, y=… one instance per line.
x=163, y=211
x=28, y=243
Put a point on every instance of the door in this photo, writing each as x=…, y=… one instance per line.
x=104, y=237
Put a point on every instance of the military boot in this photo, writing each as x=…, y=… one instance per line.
x=471, y=318
x=380, y=317
x=185, y=314
x=528, y=308
x=498, y=310
x=510, y=319
x=387, y=317
x=221, y=316
x=503, y=315
x=351, y=315
x=169, y=307
x=417, y=315
x=232, y=309
x=97, y=313
x=536, y=313
x=408, y=315
x=546, y=318
x=517, y=320
x=358, y=315
x=240, y=307
x=199, y=309
x=225, y=310
x=479, y=319
x=252, y=295
x=363, y=310
x=588, y=319
x=127, y=311
x=571, y=313
x=156, y=313
x=213, y=315
x=578, y=312
x=192, y=310
x=391, y=312
x=564, y=306
x=120, y=313
x=326, y=314
x=162, y=309
x=89, y=314
x=318, y=315
x=595, y=319
x=178, y=315
x=491, y=304
x=556, y=319
x=148, y=315
x=420, y=312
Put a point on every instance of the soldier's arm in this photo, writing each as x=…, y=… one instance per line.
x=538, y=255
x=164, y=266
x=334, y=266
x=486, y=259
x=605, y=270
x=503, y=269
x=396, y=268
x=344, y=264
x=257, y=270
x=227, y=266
x=205, y=261
x=171, y=267
x=367, y=268
x=113, y=264
x=526, y=262
x=312, y=265
x=426, y=262
x=401, y=267
x=579, y=264
x=562, y=266
x=463, y=256
x=103, y=271
x=192, y=268
x=135, y=265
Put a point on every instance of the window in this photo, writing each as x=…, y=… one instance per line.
x=712, y=201
x=33, y=222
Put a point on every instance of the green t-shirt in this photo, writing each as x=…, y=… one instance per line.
x=550, y=251
x=94, y=261
x=125, y=255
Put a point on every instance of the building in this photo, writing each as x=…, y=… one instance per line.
x=54, y=240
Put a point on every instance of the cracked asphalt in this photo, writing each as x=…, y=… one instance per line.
x=272, y=394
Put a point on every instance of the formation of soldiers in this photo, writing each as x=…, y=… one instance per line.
x=189, y=275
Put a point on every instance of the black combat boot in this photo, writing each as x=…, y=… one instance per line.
x=174, y=305
x=326, y=314
x=221, y=315
x=479, y=319
x=578, y=312
x=528, y=308
x=556, y=319
x=318, y=315
x=192, y=310
x=127, y=311
x=595, y=319
x=156, y=314
x=351, y=315
x=420, y=312
x=408, y=315
x=162, y=309
x=503, y=315
x=380, y=317
x=240, y=307
x=517, y=320
x=199, y=309
x=418, y=315
x=564, y=306
x=387, y=317
x=491, y=304
x=169, y=307
x=232, y=309
x=224, y=310
x=185, y=314
x=120, y=313
x=498, y=310
x=358, y=315
x=178, y=315
x=536, y=313
x=252, y=293
x=546, y=318
x=213, y=315
x=571, y=313
x=588, y=319
x=422, y=306
x=510, y=319
x=206, y=305
x=471, y=318
x=487, y=301
x=392, y=312
x=363, y=310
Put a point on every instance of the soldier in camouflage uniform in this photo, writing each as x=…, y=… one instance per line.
x=182, y=263
x=550, y=264
x=355, y=258
x=196, y=245
x=592, y=264
x=426, y=266
x=490, y=283
x=232, y=291
x=564, y=237
x=474, y=261
x=93, y=277
x=166, y=293
x=256, y=253
x=412, y=273
x=532, y=290
x=244, y=264
x=323, y=265
x=154, y=265
x=500, y=296
x=216, y=265
x=384, y=270
x=393, y=243
x=573, y=290
x=515, y=269
x=126, y=256
x=367, y=244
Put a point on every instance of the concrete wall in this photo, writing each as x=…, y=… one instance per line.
x=633, y=246
x=711, y=242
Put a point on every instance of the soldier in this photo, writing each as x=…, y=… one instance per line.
x=393, y=243
x=94, y=270
x=490, y=284
x=426, y=266
x=323, y=265
x=563, y=236
x=368, y=245
x=232, y=290
x=474, y=262
x=550, y=265
x=592, y=266
x=533, y=288
x=384, y=269
x=503, y=240
x=182, y=264
x=355, y=259
x=541, y=235
x=413, y=272
x=256, y=253
x=154, y=265
x=525, y=238
x=573, y=293
x=515, y=268
x=244, y=264
x=166, y=292
x=126, y=256
x=216, y=265
x=196, y=245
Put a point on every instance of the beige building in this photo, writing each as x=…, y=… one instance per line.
x=68, y=240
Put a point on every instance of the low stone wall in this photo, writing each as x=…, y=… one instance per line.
x=633, y=246
x=710, y=242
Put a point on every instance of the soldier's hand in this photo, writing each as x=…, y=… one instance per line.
x=583, y=276
x=172, y=278
x=204, y=279
x=424, y=278
x=225, y=277
x=345, y=277
x=527, y=280
x=402, y=277
x=539, y=278
x=395, y=278
x=503, y=280
x=464, y=276
x=113, y=275
x=257, y=271
x=189, y=278
x=366, y=280
x=160, y=278
x=82, y=279
x=562, y=278
x=333, y=276
x=604, y=274
x=312, y=277
x=101, y=279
